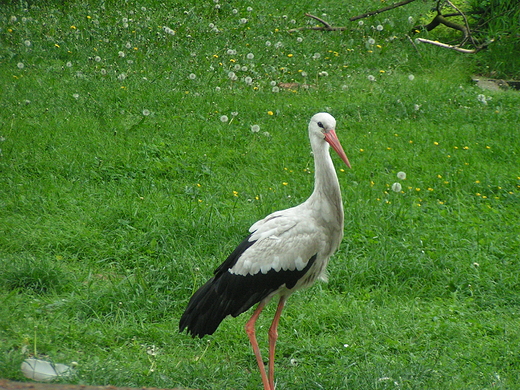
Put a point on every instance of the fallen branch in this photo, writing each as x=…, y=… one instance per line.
x=388, y=8
x=456, y=48
x=326, y=26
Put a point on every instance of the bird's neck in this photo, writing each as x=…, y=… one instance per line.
x=326, y=185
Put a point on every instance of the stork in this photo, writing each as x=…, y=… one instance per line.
x=285, y=251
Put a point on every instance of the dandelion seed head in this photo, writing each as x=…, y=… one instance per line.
x=128, y=45
x=379, y=27
x=146, y=112
x=276, y=89
x=243, y=21
x=249, y=9
x=97, y=58
x=192, y=76
x=401, y=175
x=20, y=65
x=121, y=77
x=360, y=23
x=224, y=118
x=255, y=129
x=371, y=41
x=27, y=43
x=371, y=78
x=299, y=39
x=75, y=95
x=250, y=56
x=68, y=64
x=411, y=77
x=121, y=54
x=268, y=43
x=396, y=187
x=248, y=80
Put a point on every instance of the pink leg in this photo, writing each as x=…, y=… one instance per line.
x=250, y=330
x=273, y=336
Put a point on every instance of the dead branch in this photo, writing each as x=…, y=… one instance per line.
x=326, y=26
x=388, y=8
x=445, y=45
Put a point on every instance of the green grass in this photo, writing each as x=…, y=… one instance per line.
x=119, y=195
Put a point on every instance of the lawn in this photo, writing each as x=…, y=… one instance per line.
x=140, y=140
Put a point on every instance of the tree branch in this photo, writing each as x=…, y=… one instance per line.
x=404, y=2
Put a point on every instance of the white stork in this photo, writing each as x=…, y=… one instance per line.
x=285, y=251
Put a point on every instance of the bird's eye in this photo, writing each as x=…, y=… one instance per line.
x=320, y=125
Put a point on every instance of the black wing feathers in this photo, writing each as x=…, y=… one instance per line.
x=229, y=294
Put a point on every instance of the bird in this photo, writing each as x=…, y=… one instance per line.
x=284, y=252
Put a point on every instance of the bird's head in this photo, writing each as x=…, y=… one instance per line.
x=323, y=126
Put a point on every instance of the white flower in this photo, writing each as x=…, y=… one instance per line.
x=224, y=118
x=360, y=23
x=68, y=64
x=323, y=73
x=371, y=41
x=371, y=78
x=273, y=83
x=379, y=27
x=20, y=65
x=316, y=56
x=75, y=95
x=411, y=77
x=248, y=80
x=121, y=54
x=255, y=129
x=192, y=76
x=146, y=112
x=97, y=58
x=396, y=187
x=299, y=39
x=401, y=175
x=243, y=20
x=276, y=89
x=250, y=56
x=232, y=76
x=268, y=43
x=27, y=43
x=121, y=77
x=410, y=19
x=128, y=45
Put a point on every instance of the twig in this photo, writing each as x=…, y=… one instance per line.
x=445, y=45
x=326, y=26
x=404, y=2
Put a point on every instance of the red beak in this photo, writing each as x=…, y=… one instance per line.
x=333, y=141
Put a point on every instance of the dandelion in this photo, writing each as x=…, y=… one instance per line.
x=379, y=27
x=243, y=68
x=316, y=56
x=27, y=43
x=231, y=52
x=323, y=74
x=250, y=56
x=217, y=89
x=396, y=187
x=20, y=65
x=266, y=134
x=416, y=107
x=121, y=54
x=75, y=95
x=411, y=77
x=192, y=76
x=371, y=78
x=121, y=77
x=103, y=71
x=234, y=11
x=268, y=43
x=243, y=21
x=97, y=58
x=232, y=76
x=360, y=23
x=277, y=45
x=304, y=74
x=224, y=118
x=255, y=129
x=69, y=64
x=401, y=175
x=299, y=39
x=276, y=89
x=146, y=112
x=483, y=98
x=248, y=80
x=270, y=113
x=249, y=9
x=234, y=113
x=273, y=83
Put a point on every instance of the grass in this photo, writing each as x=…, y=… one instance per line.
x=122, y=187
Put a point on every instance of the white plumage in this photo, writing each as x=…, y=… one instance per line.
x=285, y=251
